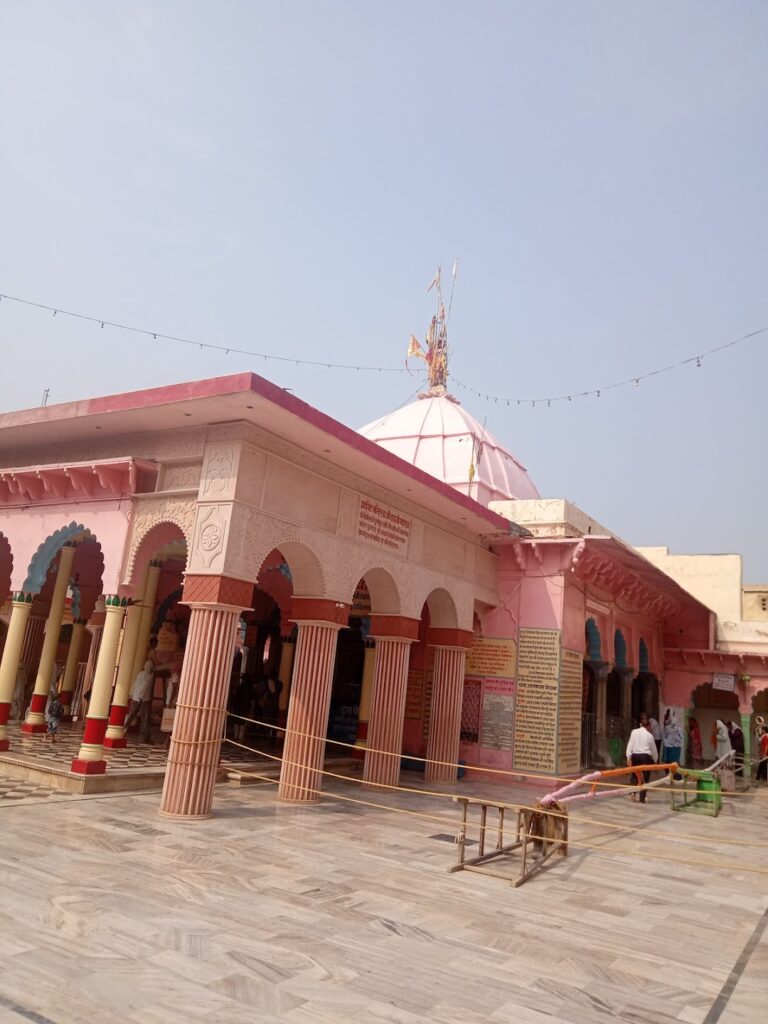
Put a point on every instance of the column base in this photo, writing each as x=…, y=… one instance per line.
x=185, y=817
x=32, y=728
x=115, y=742
x=80, y=767
x=311, y=799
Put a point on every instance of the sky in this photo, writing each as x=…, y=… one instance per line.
x=285, y=177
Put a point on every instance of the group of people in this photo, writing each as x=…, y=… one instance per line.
x=140, y=697
x=648, y=740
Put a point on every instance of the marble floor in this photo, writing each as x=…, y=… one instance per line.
x=343, y=912
x=35, y=749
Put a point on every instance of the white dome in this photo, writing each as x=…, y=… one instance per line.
x=437, y=435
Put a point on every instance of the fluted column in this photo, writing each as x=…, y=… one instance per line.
x=626, y=675
x=198, y=728
x=35, y=721
x=90, y=757
x=9, y=665
x=385, y=726
x=147, y=613
x=33, y=644
x=116, y=737
x=319, y=622
x=447, y=696
x=73, y=660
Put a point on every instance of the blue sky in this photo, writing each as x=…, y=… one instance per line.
x=285, y=176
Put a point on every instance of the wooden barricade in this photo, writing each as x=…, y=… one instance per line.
x=539, y=833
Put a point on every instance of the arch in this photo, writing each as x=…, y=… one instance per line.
x=643, y=661
x=385, y=596
x=47, y=551
x=304, y=567
x=594, y=646
x=442, y=609
x=148, y=541
x=619, y=650
x=6, y=567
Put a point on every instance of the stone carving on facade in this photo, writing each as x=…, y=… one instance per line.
x=151, y=512
x=210, y=537
x=218, y=471
x=181, y=477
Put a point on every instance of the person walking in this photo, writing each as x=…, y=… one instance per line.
x=642, y=750
x=54, y=712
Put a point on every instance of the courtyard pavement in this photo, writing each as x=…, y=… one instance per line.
x=342, y=912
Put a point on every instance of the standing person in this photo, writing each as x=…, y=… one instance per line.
x=762, y=768
x=720, y=739
x=271, y=704
x=736, y=736
x=141, y=700
x=641, y=749
x=655, y=729
x=673, y=739
x=695, y=736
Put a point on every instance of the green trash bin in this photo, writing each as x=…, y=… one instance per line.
x=614, y=747
x=708, y=789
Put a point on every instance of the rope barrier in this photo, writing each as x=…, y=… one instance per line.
x=509, y=806
x=578, y=845
x=449, y=764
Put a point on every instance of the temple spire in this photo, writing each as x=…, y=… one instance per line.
x=436, y=353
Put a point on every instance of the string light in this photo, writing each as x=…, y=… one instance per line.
x=633, y=381
x=630, y=381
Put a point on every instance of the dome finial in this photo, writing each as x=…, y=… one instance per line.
x=436, y=354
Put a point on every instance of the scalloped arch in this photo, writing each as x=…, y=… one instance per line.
x=45, y=554
x=166, y=532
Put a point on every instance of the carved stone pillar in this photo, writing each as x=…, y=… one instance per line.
x=35, y=721
x=9, y=665
x=447, y=696
x=216, y=603
x=319, y=622
x=90, y=757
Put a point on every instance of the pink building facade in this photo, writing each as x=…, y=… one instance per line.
x=402, y=616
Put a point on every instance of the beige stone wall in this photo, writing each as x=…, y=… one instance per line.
x=550, y=517
x=714, y=579
x=755, y=602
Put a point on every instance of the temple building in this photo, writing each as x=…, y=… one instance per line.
x=406, y=586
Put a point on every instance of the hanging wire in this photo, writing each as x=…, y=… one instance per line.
x=633, y=381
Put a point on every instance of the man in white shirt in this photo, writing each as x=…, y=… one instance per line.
x=641, y=749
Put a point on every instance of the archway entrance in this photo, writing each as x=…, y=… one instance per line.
x=709, y=704
x=349, y=669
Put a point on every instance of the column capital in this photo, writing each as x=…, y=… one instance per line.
x=441, y=637
x=221, y=591
x=20, y=597
x=320, y=610
x=394, y=627
x=114, y=601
